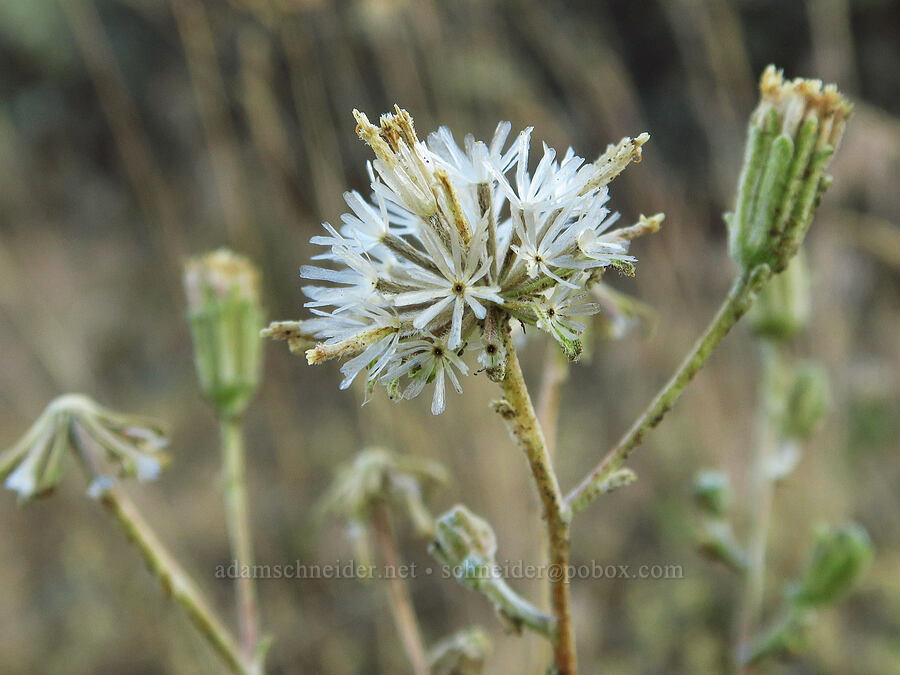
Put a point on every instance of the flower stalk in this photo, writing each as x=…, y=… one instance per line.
x=398, y=594
x=237, y=520
x=225, y=316
x=761, y=492
x=517, y=411
x=736, y=304
x=175, y=582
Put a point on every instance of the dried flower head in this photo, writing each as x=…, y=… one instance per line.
x=462, y=653
x=793, y=134
x=451, y=234
x=225, y=315
x=378, y=476
x=106, y=442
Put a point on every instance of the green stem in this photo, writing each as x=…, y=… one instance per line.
x=237, y=520
x=518, y=413
x=517, y=609
x=736, y=304
x=398, y=594
x=749, y=609
x=175, y=581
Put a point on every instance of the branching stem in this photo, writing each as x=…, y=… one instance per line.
x=736, y=304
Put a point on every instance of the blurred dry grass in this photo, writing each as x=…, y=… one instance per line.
x=136, y=132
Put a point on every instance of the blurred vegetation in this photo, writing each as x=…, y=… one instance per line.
x=134, y=133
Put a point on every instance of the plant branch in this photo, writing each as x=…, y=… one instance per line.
x=237, y=519
x=401, y=605
x=174, y=580
x=736, y=304
x=760, y=500
x=518, y=412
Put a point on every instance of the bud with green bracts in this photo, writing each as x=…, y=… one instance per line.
x=225, y=317
x=838, y=558
x=782, y=307
x=792, y=137
x=466, y=545
x=806, y=403
x=712, y=492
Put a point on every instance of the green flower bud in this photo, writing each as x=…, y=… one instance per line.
x=806, y=403
x=792, y=137
x=782, y=308
x=712, y=492
x=466, y=545
x=838, y=558
x=225, y=317
x=106, y=442
x=716, y=542
x=377, y=476
x=461, y=535
x=463, y=653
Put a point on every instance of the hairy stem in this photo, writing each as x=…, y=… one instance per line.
x=518, y=413
x=556, y=372
x=736, y=304
x=175, y=581
x=237, y=520
x=401, y=605
x=759, y=499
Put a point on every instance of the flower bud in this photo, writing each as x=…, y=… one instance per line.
x=793, y=134
x=712, y=492
x=806, y=403
x=715, y=541
x=463, y=653
x=377, y=476
x=460, y=535
x=782, y=308
x=225, y=317
x=106, y=442
x=466, y=545
x=838, y=558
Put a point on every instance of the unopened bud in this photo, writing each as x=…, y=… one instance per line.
x=712, y=492
x=377, y=476
x=225, y=317
x=792, y=137
x=782, y=308
x=838, y=558
x=461, y=535
x=465, y=544
x=716, y=542
x=807, y=402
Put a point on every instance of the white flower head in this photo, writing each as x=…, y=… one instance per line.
x=454, y=242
